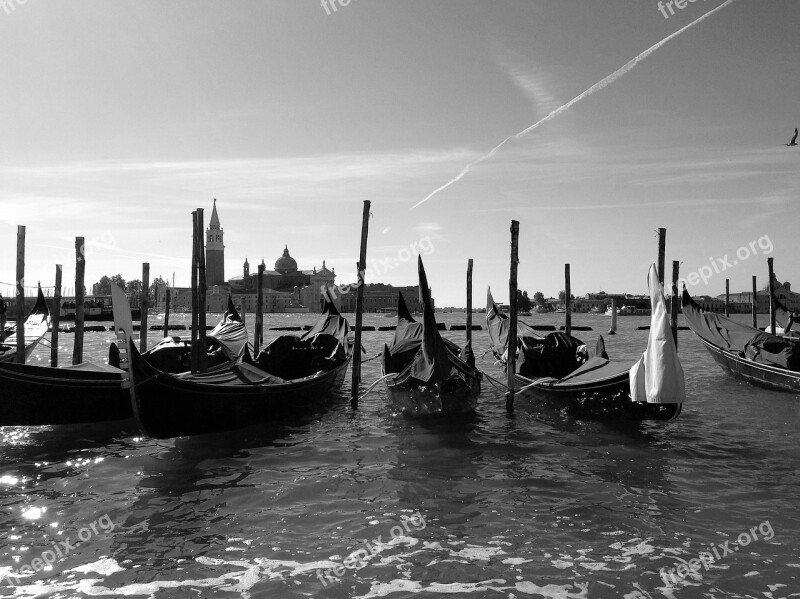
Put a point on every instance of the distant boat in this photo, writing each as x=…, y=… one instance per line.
x=524, y=313
x=629, y=311
x=560, y=311
x=794, y=139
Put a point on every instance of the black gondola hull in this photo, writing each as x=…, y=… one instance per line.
x=762, y=375
x=602, y=399
x=168, y=406
x=40, y=395
x=456, y=395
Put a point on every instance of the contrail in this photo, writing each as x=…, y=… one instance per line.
x=596, y=87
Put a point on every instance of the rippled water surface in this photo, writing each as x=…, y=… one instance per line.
x=532, y=504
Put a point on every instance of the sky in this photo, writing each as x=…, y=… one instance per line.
x=121, y=117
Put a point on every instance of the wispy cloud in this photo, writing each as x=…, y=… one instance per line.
x=533, y=82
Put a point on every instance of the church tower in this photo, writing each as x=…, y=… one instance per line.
x=215, y=251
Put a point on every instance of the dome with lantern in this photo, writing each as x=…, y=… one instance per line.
x=286, y=264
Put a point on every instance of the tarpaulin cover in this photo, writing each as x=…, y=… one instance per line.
x=658, y=375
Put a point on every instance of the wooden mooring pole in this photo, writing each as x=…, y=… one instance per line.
x=567, y=301
x=772, y=324
x=258, y=336
x=662, y=251
x=754, y=304
x=167, y=300
x=202, y=357
x=80, y=269
x=360, y=267
x=675, y=301
x=727, y=297
x=511, y=360
x=55, y=318
x=469, y=303
x=3, y=312
x=20, y=357
x=195, y=345
x=143, y=307
x=613, y=329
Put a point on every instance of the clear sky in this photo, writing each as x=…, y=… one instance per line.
x=121, y=117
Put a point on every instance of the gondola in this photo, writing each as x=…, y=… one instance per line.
x=291, y=376
x=747, y=353
x=432, y=376
x=32, y=395
x=36, y=324
x=224, y=344
x=564, y=373
x=37, y=395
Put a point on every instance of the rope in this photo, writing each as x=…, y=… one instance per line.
x=372, y=386
x=495, y=383
x=378, y=355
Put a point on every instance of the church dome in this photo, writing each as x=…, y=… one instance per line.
x=286, y=264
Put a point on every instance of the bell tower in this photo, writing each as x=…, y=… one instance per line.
x=215, y=251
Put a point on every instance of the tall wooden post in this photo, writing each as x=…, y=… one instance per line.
x=511, y=359
x=55, y=318
x=662, y=250
x=195, y=345
x=143, y=307
x=754, y=304
x=361, y=267
x=3, y=311
x=20, y=356
x=772, y=325
x=201, y=293
x=258, y=336
x=567, y=301
x=469, y=302
x=613, y=329
x=80, y=269
x=727, y=297
x=674, y=302
x=167, y=300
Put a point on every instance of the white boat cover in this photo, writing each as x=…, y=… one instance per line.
x=658, y=375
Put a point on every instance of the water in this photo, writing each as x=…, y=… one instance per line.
x=532, y=504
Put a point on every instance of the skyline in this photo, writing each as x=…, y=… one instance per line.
x=290, y=117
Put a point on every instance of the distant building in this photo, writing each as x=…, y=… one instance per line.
x=783, y=291
x=215, y=251
x=303, y=287
x=378, y=297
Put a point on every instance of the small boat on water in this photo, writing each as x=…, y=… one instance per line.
x=432, y=376
x=35, y=326
x=291, y=376
x=38, y=395
x=32, y=395
x=560, y=370
x=746, y=353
